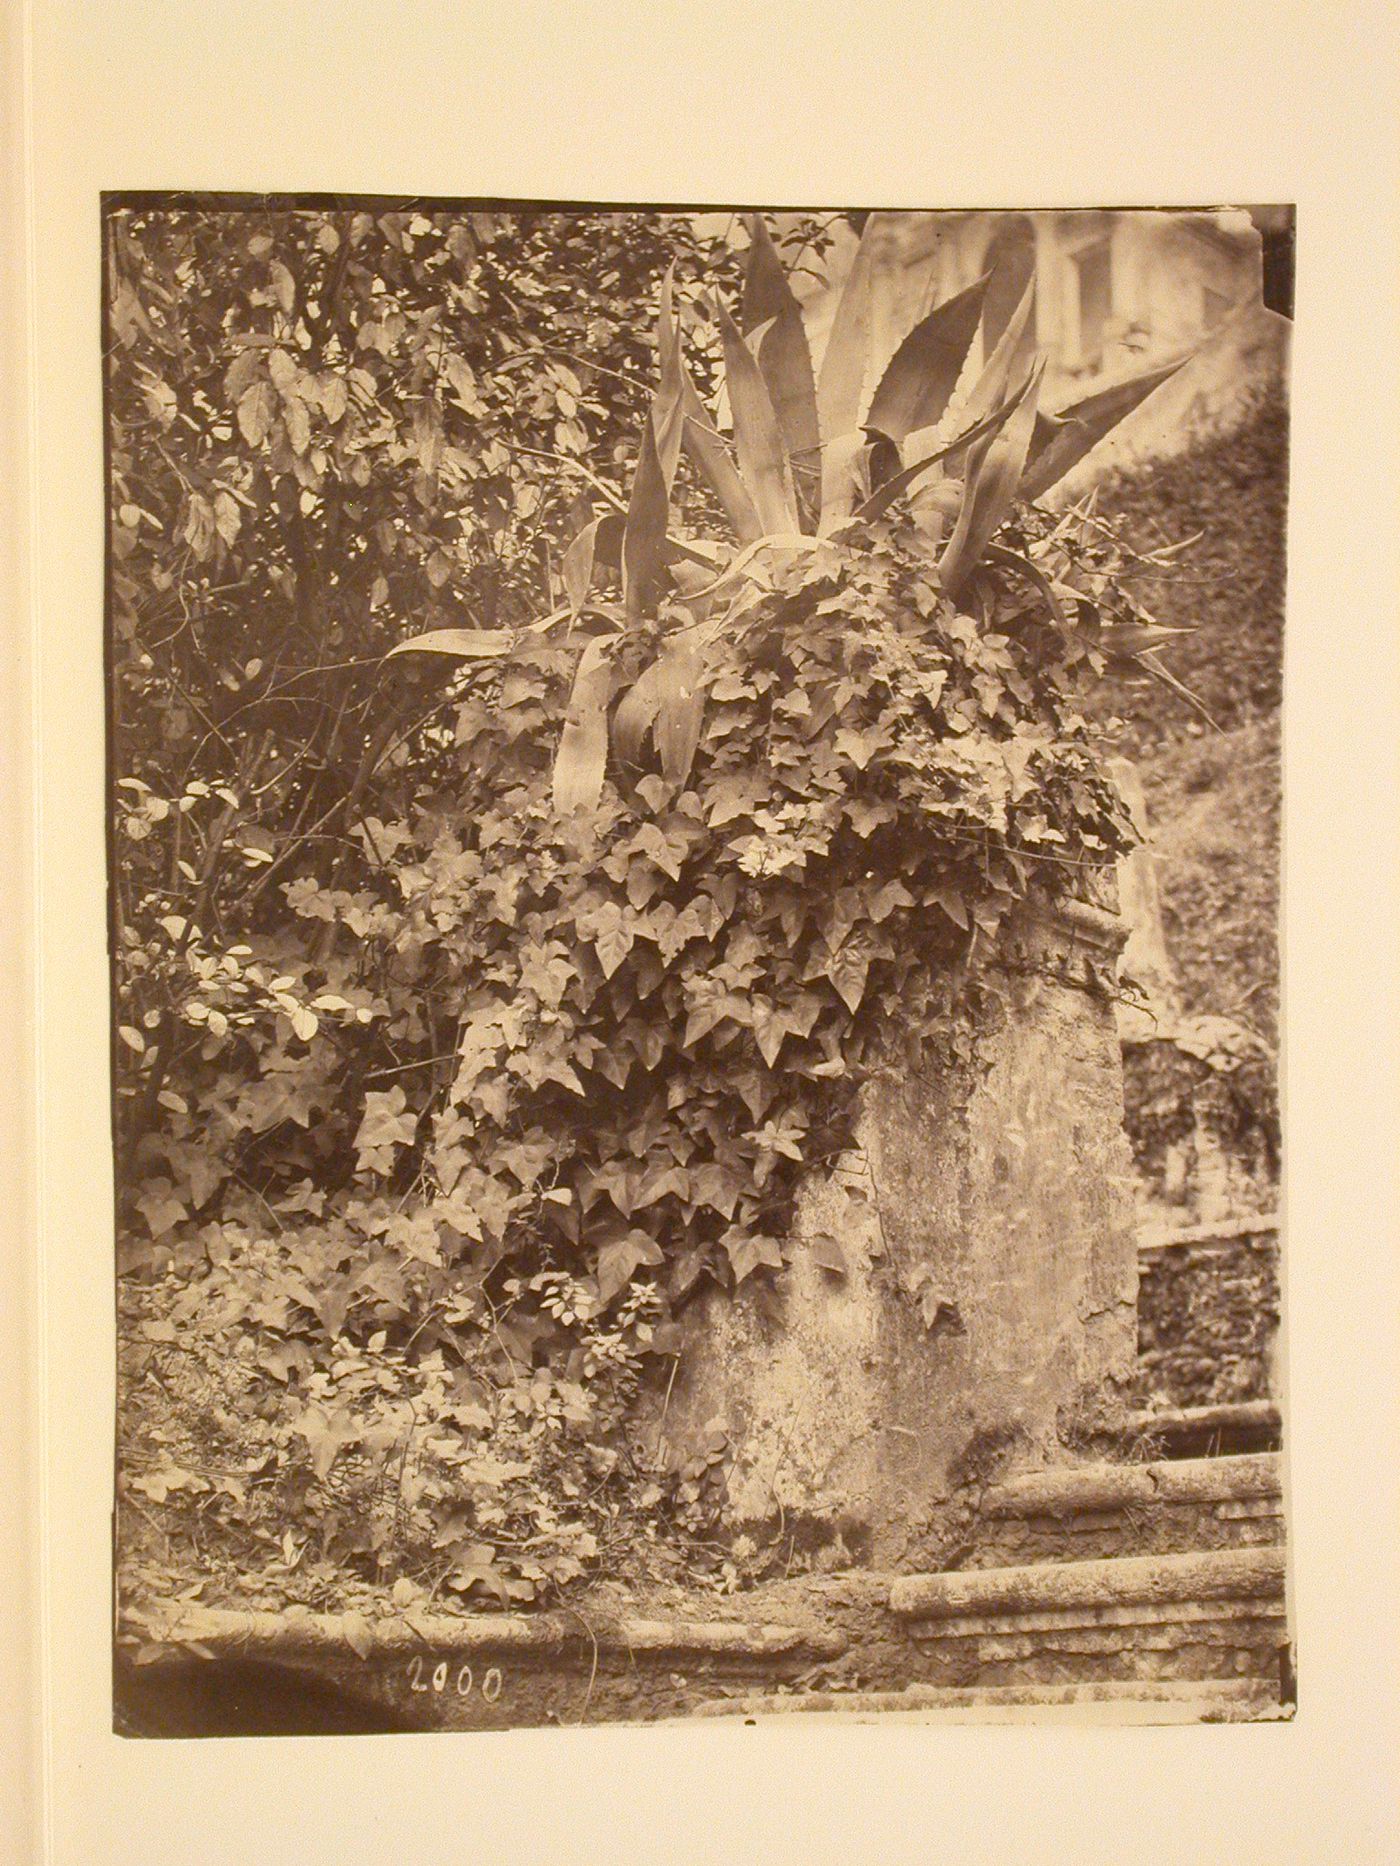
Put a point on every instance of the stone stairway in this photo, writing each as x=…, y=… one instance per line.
x=1122, y=1593
x=1118, y=1592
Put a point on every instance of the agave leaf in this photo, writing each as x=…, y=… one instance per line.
x=1148, y=662
x=609, y=530
x=680, y=711
x=1134, y=638
x=1061, y=441
x=1022, y=566
x=667, y=412
x=885, y=495
x=707, y=449
x=1010, y=360
x=668, y=699
x=600, y=541
x=635, y=712
x=767, y=293
x=758, y=440
x=918, y=385
x=774, y=541
x=842, y=488
x=644, y=535
x=841, y=380
x=994, y=470
x=785, y=361
x=461, y=644
x=582, y=758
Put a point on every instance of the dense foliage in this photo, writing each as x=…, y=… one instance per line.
x=477, y=1005
x=1229, y=494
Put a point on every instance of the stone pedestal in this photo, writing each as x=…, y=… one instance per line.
x=986, y=1319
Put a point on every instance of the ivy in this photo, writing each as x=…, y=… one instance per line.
x=461, y=1045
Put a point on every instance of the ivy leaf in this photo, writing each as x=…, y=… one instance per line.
x=359, y=1632
x=848, y=972
x=387, y=1123
x=947, y=897
x=769, y=1029
x=827, y=1254
x=618, y=1259
x=160, y=1208
x=750, y=1251
x=327, y=1435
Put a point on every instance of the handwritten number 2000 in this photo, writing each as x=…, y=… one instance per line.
x=437, y=1680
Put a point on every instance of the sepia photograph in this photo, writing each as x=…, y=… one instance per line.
x=693, y=855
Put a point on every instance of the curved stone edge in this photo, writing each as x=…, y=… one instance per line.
x=1123, y=1486
x=1221, y=1574
x=224, y=1631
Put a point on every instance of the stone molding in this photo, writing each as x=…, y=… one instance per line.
x=1122, y=1486
x=226, y=1631
x=1123, y=1581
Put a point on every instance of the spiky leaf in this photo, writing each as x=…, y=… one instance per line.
x=785, y=361
x=923, y=372
x=581, y=760
x=1061, y=441
x=680, y=712
x=644, y=536
x=758, y=441
x=668, y=700
x=841, y=381
x=707, y=449
x=885, y=495
x=667, y=410
x=994, y=472
x=600, y=541
x=1009, y=362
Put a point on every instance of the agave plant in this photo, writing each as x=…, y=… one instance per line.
x=812, y=453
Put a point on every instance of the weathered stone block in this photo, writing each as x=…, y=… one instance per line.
x=988, y=1305
x=1097, y=1511
x=1189, y=1617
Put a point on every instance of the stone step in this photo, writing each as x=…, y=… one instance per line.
x=1097, y=1511
x=1196, y=1617
x=1161, y=1701
x=199, y=1670
x=1208, y=1431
